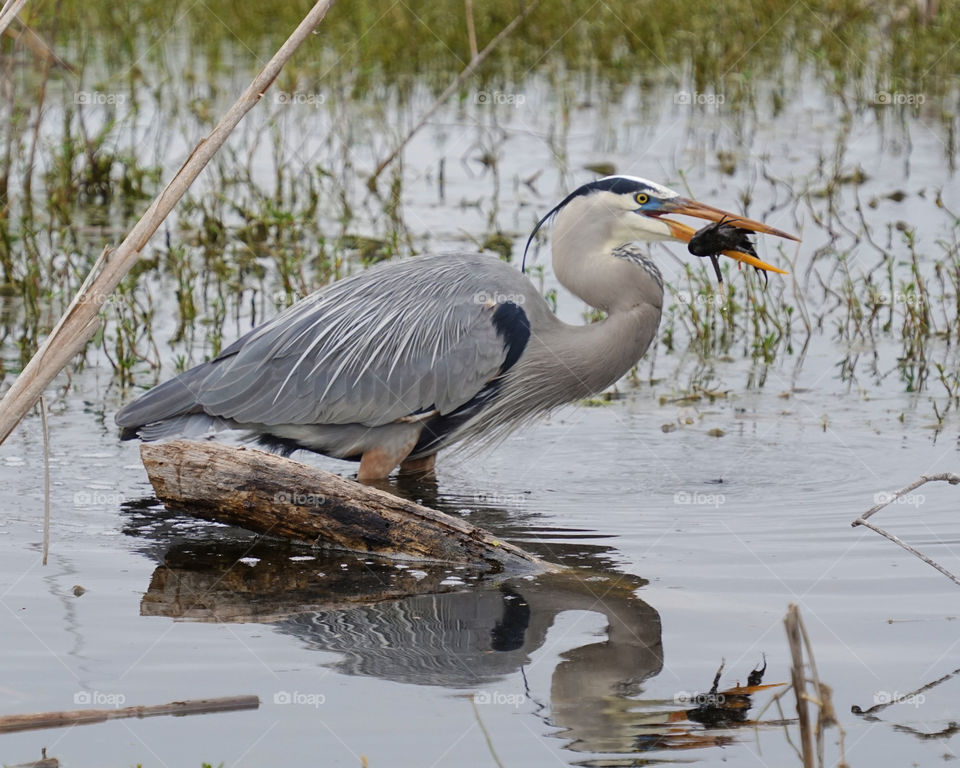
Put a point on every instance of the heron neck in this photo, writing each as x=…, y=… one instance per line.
x=564, y=363
x=616, y=278
x=599, y=354
x=606, y=272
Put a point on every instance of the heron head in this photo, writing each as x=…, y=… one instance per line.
x=628, y=209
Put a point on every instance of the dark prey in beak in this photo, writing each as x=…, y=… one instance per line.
x=717, y=237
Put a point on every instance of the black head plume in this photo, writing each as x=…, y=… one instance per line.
x=616, y=184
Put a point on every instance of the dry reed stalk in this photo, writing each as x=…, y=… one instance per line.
x=799, y=682
x=822, y=695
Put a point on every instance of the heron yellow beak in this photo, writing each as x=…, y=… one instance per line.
x=684, y=233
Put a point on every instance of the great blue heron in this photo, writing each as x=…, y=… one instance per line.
x=390, y=365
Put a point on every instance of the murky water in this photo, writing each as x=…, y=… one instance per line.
x=687, y=547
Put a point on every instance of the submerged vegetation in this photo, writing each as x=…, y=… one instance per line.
x=806, y=113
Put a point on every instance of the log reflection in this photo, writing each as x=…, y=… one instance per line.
x=438, y=625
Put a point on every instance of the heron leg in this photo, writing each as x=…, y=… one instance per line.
x=377, y=463
x=419, y=466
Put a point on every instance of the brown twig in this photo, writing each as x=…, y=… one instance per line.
x=948, y=477
x=471, y=67
x=80, y=320
x=9, y=723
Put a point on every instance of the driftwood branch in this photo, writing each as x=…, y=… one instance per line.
x=9, y=723
x=280, y=497
x=81, y=318
x=451, y=89
x=948, y=477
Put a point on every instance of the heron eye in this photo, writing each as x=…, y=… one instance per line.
x=642, y=198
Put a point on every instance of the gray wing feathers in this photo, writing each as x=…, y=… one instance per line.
x=194, y=425
x=171, y=398
x=369, y=349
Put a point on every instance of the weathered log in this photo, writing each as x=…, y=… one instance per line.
x=280, y=497
x=10, y=723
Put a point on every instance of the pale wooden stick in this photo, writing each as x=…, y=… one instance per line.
x=827, y=715
x=475, y=62
x=9, y=12
x=9, y=723
x=948, y=477
x=80, y=320
x=911, y=550
x=792, y=624
x=46, y=479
